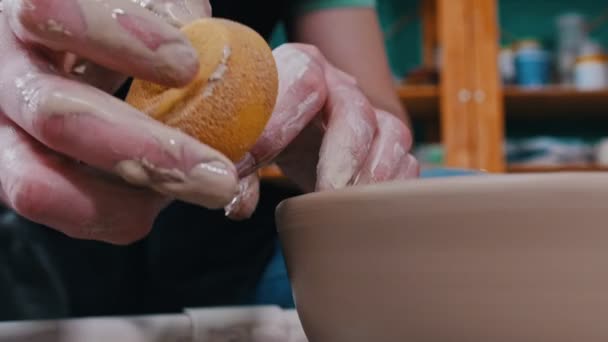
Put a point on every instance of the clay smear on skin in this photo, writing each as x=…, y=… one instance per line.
x=50, y=25
x=28, y=90
x=218, y=74
x=398, y=151
x=54, y=26
x=146, y=4
x=176, y=12
x=363, y=132
x=296, y=65
x=162, y=175
x=294, y=123
x=342, y=170
x=149, y=6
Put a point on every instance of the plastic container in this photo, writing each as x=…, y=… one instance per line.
x=601, y=152
x=591, y=72
x=430, y=155
x=572, y=31
x=571, y=36
x=532, y=67
x=506, y=61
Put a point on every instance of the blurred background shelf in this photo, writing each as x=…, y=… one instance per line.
x=552, y=101
x=555, y=101
x=458, y=89
x=422, y=101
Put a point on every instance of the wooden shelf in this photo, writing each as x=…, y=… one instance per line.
x=422, y=102
x=565, y=168
x=551, y=102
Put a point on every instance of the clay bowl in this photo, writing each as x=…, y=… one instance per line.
x=485, y=258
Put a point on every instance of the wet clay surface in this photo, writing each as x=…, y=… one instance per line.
x=489, y=258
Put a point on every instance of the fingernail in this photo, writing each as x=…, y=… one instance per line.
x=234, y=205
x=216, y=183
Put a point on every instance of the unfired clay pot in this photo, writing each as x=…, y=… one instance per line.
x=480, y=259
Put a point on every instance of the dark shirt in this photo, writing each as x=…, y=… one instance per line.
x=261, y=15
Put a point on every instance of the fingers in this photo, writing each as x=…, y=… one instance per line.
x=302, y=93
x=244, y=205
x=347, y=144
x=408, y=168
x=117, y=34
x=88, y=125
x=57, y=192
x=389, y=157
x=299, y=160
x=178, y=12
x=351, y=128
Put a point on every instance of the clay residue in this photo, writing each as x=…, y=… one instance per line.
x=29, y=88
x=54, y=26
x=296, y=122
x=296, y=63
x=218, y=74
x=144, y=173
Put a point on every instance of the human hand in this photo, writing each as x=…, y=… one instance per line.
x=324, y=133
x=66, y=143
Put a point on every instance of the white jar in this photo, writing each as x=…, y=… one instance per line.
x=601, y=153
x=506, y=62
x=591, y=72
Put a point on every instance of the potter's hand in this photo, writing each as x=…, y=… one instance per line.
x=65, y=143
x=324, y=133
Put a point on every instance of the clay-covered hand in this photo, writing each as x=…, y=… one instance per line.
x=67, y=145
x=324, y=134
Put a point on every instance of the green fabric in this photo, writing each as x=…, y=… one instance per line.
x=519, y=18
x=402, y=47
x=401, y=25
x=305, y=6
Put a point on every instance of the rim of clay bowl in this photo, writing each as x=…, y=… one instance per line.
x=464, y=185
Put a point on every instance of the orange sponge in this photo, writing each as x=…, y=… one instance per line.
x=231, y=99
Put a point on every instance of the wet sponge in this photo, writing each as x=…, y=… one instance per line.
x=231, y=99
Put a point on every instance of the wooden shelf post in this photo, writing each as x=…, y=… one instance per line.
x=430, y=28
x=487, y=94
x=471, y=100
x=455, y=32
